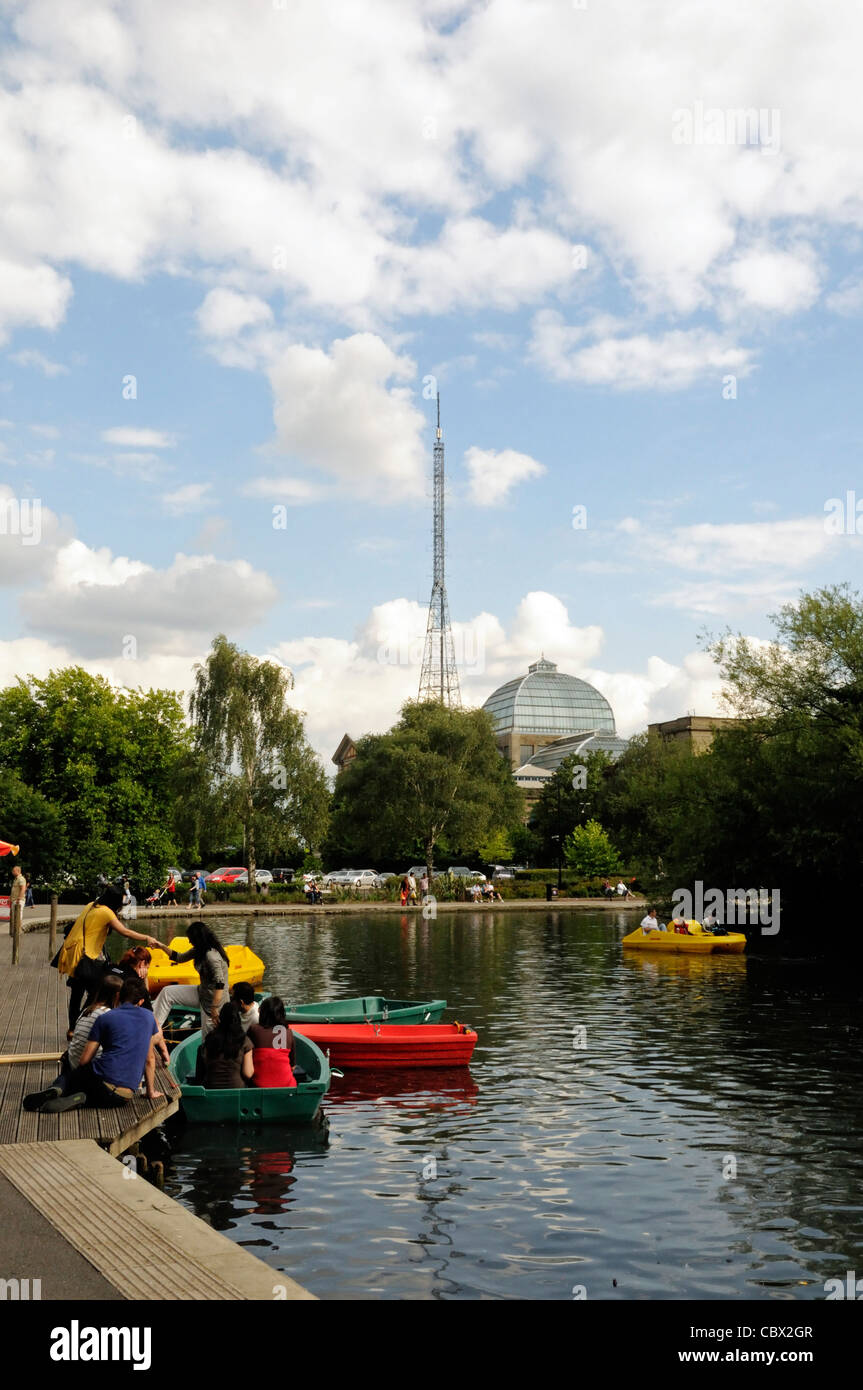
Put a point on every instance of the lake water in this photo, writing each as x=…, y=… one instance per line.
x=641, y=1128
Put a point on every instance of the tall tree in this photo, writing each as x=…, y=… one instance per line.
x=36, y=824
x=569, y=798
x=107, y=759
x=436, y=776
x=263, y=775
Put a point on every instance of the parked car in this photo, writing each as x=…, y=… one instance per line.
x=339, y=876
x=461, y=871
x=366, y=878
x=416, y=869
x=500, y=871
x=229, y=875
x=283, y=875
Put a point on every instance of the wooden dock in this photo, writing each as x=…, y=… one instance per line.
x=34, y=1004
x=67, y=1206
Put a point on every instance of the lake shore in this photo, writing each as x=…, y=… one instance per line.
x=37, y=918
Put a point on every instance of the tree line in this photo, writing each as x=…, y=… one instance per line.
x=94, y=779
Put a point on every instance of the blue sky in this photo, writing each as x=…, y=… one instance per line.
x=282, y=243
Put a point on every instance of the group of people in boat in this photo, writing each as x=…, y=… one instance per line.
x=115, y=1031
x=679, y=924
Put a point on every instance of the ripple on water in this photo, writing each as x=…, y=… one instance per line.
x=550, y=1166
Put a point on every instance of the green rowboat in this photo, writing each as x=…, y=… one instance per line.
x=369, y=1008
x=252, y=1104
x=183, y=1021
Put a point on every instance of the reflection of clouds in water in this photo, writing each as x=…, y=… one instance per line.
x=553, y=1165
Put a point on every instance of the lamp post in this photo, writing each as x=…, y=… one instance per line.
x=559, y=844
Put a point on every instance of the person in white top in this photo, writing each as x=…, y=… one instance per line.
x=649, y=923
x=243, y=995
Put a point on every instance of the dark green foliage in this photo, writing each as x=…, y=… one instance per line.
x=435, y=782
x=107, y=760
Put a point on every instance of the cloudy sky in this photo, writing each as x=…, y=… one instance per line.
x=240, y=246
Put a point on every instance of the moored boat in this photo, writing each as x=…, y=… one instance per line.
x=252, y=1104
x=372, y=1008
x=698, y=942
x=381, y=1046
x=243, y=964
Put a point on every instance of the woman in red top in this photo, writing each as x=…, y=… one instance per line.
x=273, y=1044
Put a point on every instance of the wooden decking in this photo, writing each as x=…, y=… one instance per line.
x=33, y=1019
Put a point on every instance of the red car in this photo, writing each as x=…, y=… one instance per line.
x=228, y=875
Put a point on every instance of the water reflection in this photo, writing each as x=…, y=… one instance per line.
x=590, y=1142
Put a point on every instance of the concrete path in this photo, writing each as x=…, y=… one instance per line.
x=148, y=918
x=79, y=1204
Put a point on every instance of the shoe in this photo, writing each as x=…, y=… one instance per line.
x=73, y=1102
x=37, y=1099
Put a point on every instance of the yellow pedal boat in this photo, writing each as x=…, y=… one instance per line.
x=243, y=964
x=699, y=942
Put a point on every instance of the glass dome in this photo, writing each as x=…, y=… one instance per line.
x=546, y=701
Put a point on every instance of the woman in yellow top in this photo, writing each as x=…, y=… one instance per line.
x=82, y=957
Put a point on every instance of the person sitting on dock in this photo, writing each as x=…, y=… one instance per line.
x=211, y=963
x=650, y=922
x=227, y=1053
x=136, y=964
x=126, y=1035
x=243, y=995
x=106, y=998
x=273, y=1042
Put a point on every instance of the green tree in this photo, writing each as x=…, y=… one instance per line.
x=262, y=774
x=497, y=847
x=568, y=798
x=436, y=778
x=30, y=820
x=589, y=850
x=107, y=759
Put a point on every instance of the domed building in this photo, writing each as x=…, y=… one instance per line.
x=545, y=716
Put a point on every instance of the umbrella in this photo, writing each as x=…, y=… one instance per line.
x=6, y=848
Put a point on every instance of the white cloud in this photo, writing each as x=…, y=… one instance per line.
x=494, y=474
x=30, y=537
x=669, y=361
x=95, y=600
x=780, y=281
x=126, y=437
x=30, y=295
x=31, y=357
x=291, y=492
x=225, y=313
x=338, y=412
x=189, y=498
x=736, y=546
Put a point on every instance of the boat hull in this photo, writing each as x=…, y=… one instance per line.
x=243, y=964
x=368, y=1008
x=385, y=1046
x=698, y=943
x=251, y=1104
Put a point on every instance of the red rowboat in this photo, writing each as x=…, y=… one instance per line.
x=383, y=1045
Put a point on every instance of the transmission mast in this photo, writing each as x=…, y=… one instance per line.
x=439, y=678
